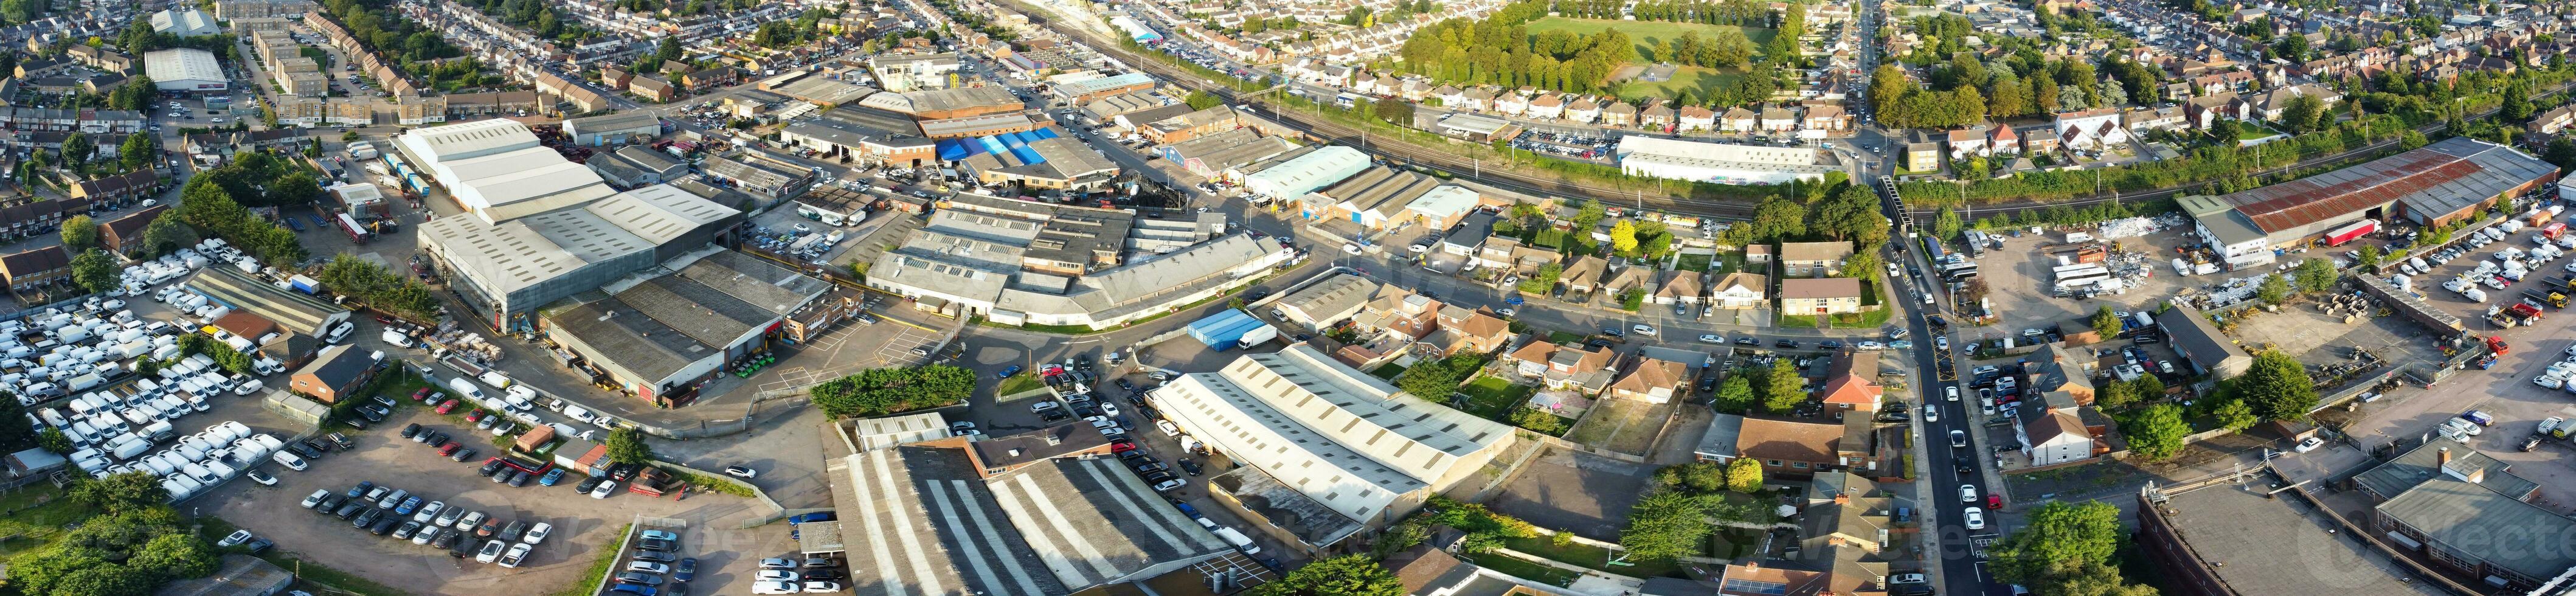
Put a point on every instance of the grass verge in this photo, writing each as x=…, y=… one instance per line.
x=599, y=566
x=1594, y=557
x=1025, y=381
x=712, y=483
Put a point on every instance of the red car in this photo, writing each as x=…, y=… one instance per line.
x=421, y=394
x=1994, y=501
x=451, y=448
x=446, y=406
x=1121, y=447
x=474, y=416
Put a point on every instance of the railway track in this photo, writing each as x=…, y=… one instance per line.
x=1336, y=132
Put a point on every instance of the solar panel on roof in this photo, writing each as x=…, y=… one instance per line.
x=1746, y=586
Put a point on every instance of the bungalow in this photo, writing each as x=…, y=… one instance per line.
x=1679, y=287
x=1813, y=259
x=1652, y=381
x=1740, y=290
x=1584, y=275
x=1564, y=368
x=1786, y=448
x=1832, y=295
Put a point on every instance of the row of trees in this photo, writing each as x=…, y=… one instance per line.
x=2226, y=167
x=379, y=288
x=1499, y=50
x=211, y=210
x=881, y=391
x=535, y=16
x=1747, y=13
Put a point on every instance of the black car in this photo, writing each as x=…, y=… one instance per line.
x=520, y=479
x=385, y=526
x=1831, y=344
x=490, y=467
x=461, y=548
x=657, y=557
x=304, y=448
x=1707, y=384
x=1614, y=331
x=259, y=545
x=822, y=575
x=1124, y=384
x=436, y=438
x=407, y=530
x=329, y=504
x=587, y=483
x=1598, y=343
x=446, y=536
x=356, y=423
x=462, y=454
x=1149, y=466
x=350, y=510
x=1748, y=341
x=502, y=476
x=373, y=412
x=411, y=430
x=1937, y=321
x=1786, y=343
x=1963, y=465
x=639, y=578
x=657, y=545
x=367, y=518
x=1191, y=467
x=510, y=533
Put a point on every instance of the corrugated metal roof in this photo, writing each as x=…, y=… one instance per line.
x=2435, y=179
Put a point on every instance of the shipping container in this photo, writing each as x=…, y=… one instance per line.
x=2350, y=232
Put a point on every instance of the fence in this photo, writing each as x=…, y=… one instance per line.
x=41, y=308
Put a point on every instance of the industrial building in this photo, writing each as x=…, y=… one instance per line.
x=1330, y=452
x=832, y=138
x=184, y=22
x=1212, y=155
x=1090, y=89
x=612, y=128
x=185, y=70
x=1378, y=197
x=1040, y=512
x=1305, y=173
x=1046, y=163
x=2432, y=186
x=497, y=170
x=1673, y=159
x=660, y=337
x=506, y=270
x=941, y=104
x=292, y=311
x=1020, y=262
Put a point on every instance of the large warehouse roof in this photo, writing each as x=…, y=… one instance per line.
x=2436, y=180
x=183, y=64
x=671, y=321
x=525, y=251
x=1308, y=172
x=659, y=213
x=471, y=139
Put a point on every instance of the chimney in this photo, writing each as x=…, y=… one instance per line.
x=2442, y=458
x=2477, y=476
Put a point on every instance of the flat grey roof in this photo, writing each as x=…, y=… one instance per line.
x=2418, y=465
x=2196, y=338
x=614, y=122
x=852, y=134
x=2472, y=520
x=624, y=338
x=2266, y=546
x=296, y=311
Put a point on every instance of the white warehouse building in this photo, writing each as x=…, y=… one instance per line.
x=1721, y=163
x=497, y=169
x=1332, y=450
x=1305, y=173
x=185, y=70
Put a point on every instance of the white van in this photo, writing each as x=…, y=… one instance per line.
x=465, y=388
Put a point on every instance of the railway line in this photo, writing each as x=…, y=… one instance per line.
x=1325, y=129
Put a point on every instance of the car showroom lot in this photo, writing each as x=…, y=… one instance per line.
x=581, y=525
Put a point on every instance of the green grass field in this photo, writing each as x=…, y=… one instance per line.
x=1645, y=34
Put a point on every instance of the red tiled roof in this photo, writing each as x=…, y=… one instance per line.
x=2300, y=202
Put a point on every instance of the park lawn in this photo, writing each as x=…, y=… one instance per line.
x=1645, y=34
x=1494, y=398
x=1585, y=555
x=1699, y=80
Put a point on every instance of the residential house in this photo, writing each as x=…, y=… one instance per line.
x=1583, y=111
x=1779, y=120
x=1619, y=113
x=1923, y=157
x=2054, y=369
x=1511, y=104
x=1832, y=295
x=1477, y=331
x=1652, y=381
x=1679, y=287
x=1851, y=383
x=125, y=234
x=1696, y=118
x=336, y=373
x=1739, y=120
x=1584, y=275
x=1655, y=117
x=1740, y=290
x=1828, y=118
x=1564, y=368
x=1547, y=107
x=2550, y=122
x=35, y=269
x=1967, y=143
x=2093, y=129
x=1786, y=448
x=1813, y=259
x=2055, y=436
x=1399, y=311
x=2004, y=141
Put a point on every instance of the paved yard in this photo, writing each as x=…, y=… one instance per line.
x=581, y=524
x=1579, y=492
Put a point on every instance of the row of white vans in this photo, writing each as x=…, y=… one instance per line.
x=201, y=461
x=143, y=408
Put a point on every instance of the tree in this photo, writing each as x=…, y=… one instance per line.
x=2058, y=533
x=1200, y=100
x=627, y=446
x=1778, y=218
x=2234, y=415
x=94, y=270
x=1744, y=475
x=1393, y=109
x=77, y=149
x=1541, y=421
x=2302, y=114
x=2315, y=275
x=1735, y=396
x=138, y=151
x=1587, y=216
x=165, y=234
x=1782, y=388
x=2106, y=323
x=175, y=555
x=1946, y=226
x=2274, y=289
x=2157, y=432
x=1346, y=575
x=1665, y=525
x=1436, y=379
x=2147, y=387
x=80, y=233
x=53, y=439
x=2369, y=256
x=2115, y=396
x=1623, y=237
x=889, y=390
x=120, y=493
x=2277, y=387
